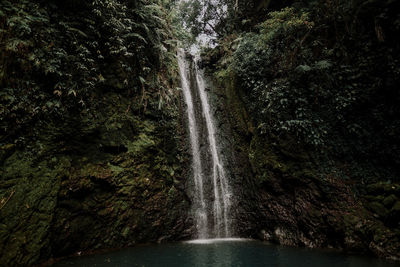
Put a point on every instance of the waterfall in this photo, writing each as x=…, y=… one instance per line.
x=220, y=197
x=199, y=202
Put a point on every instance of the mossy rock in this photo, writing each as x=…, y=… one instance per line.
x=393, y=217
x=383, y=188
x=396, y=206
x=377, y=208
x=389, y=201
x=29, y=210
x=350, y=220
x=376, y=198
x=6, y=150
x=98, y=183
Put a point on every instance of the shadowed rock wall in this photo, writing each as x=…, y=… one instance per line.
x=285, y=195
x=111, y=182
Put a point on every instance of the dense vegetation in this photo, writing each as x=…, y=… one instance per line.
x=56, y=56
x=324, y=73
x=90, y=131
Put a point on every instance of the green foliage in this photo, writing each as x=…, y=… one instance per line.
x=57, y=57
x=323, y=74
x=223, y=17
x=213, y=19
x=260, y=64
x=285, y=22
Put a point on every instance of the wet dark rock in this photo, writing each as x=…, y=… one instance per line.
x=114, y=183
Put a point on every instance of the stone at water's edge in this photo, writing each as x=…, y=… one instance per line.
x=104, y=183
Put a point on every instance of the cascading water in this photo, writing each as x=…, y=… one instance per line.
x=220, y=185
x=220, y=199
x=199, y=202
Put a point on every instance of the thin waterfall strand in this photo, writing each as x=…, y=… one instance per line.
x=199, y=202
x=221, y=199
x=222, y=195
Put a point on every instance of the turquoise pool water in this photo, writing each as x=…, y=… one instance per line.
x=223, y=253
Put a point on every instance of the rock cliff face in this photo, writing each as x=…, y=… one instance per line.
x=92, y=143
x=285, y=195
x=85, y=185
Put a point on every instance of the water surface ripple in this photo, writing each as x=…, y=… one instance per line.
x=224, y=253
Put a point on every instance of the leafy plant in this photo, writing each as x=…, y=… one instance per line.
x=58, y=57
x=323, y=74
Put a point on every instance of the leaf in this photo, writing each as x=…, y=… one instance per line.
x=303, y=68
x=323, y=64
x=78, y=31
x=160, y=103
x=135, y=35
x=57, y=92
x=72, y=91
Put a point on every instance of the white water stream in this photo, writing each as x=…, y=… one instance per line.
x=199, y=203
x=221, y=196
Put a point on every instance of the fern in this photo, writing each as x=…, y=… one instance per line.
x=135, y=35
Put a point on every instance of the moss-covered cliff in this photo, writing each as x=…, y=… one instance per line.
x=112, y=182
x=92, y=144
